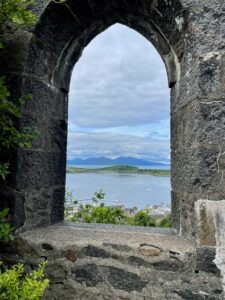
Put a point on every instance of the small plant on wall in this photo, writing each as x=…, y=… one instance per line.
x=15, y=284
x=13, y=16
x=5, y=226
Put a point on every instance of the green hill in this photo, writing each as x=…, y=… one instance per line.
x=120, y=170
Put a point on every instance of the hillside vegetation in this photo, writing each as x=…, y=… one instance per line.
x=120, y=170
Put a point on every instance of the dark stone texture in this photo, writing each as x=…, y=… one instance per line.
x=172, y=265
x=13, y=55
x=40, y=169
x=93, y=277
x=205, y=260
x=201, y=174
x=15, y=202
x=42, y=67
x=189, y=295
x=138, y=262
x=47, y=247
x=88, y=274
x=189, y=37
x=57, y=206
x=93, y=251
x=56, y=270
x=123, y=280
x=199, y=123
x=184, y=206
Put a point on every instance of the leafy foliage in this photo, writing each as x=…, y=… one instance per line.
x=166, y=222
x=97, y=212
x=98, y=196
x=10, y=136
x=16, y=12
x=101, y=214
x=5, y=226
x=4, y=170
x=15, y=284
x=142, y=218
x=13, y=15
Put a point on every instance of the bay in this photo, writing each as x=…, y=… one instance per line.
x=121, y=189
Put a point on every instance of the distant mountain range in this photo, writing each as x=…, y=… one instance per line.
x=127, y=161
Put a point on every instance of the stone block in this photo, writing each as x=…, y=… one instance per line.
x=43, y=206
x=198, y=123
x=37, y=169
x=210, y=223
x=139, y=262
x=52, y=132
x=121, y=279
x=71, y=255
x=198, y=170
x=57, y=270
x=202, y=80
x=94, y=251
x=14, y=200
x=88, y=274
x=147, y=250
x=38, y=207
x=41, y=62
x=46, y=100
x=206, y=260
x=13, y=54
x=57, y=206
x=184, y=212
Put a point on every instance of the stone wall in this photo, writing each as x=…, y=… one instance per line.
x=189, y=36
x=40, y=61
x=117, y=263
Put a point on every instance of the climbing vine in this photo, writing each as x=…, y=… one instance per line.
x=14, y=14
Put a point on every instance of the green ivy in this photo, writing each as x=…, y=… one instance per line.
x=13, y=15
x=5, y=226
x=10, y=136
x=16, y=12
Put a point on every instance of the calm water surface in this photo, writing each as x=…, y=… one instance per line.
x=127, y=189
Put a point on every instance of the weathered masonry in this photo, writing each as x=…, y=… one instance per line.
x=190, y=37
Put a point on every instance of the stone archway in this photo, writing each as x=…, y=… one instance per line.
x=181, y=32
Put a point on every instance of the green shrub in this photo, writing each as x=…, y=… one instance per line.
x=16, y=285
x=103, y=214
x=166, y=222
x=97, y=212
x=15, y=12
x=142, y=218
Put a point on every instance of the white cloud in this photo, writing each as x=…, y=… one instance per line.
x=84, y=144
x=119, y=99
x=120, y=80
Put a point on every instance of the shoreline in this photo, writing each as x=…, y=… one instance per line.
x=119, y=170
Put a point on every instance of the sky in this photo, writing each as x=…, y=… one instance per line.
x=119, y=99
